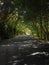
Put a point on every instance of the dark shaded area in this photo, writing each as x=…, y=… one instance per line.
x=24, y=50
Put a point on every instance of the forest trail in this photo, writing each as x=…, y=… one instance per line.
x=23, y=50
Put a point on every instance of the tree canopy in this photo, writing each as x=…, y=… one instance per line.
x=29, y=17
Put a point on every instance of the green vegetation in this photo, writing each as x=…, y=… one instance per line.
x=19, y=17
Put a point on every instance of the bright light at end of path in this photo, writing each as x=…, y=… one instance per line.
x=27, y=31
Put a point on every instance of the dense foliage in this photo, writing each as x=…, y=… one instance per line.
x=18, y=17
